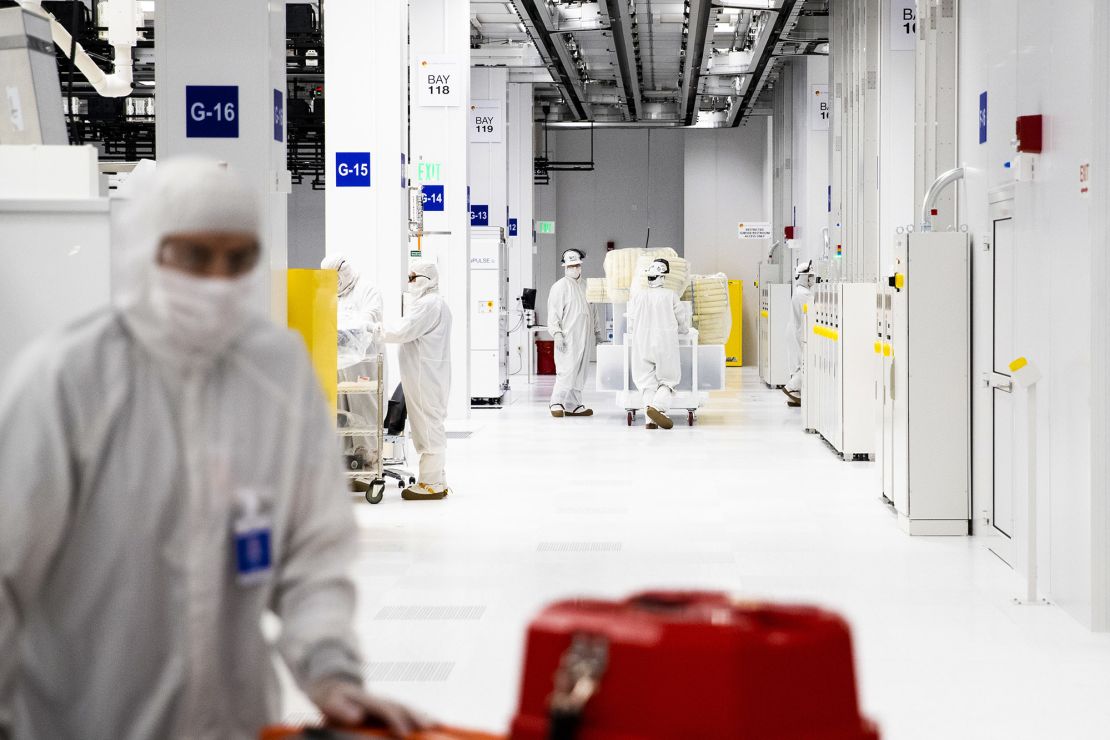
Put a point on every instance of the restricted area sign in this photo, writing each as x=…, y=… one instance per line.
x=212, y=111
x=486, y=123
x=753, y=230
x=438, y=82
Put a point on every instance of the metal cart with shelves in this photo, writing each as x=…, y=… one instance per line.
x=366, y=464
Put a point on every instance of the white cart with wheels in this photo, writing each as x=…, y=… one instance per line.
x=703, y=370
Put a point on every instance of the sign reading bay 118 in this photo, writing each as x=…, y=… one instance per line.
x=439, y=83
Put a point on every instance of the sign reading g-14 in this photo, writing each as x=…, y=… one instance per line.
x=439, y=82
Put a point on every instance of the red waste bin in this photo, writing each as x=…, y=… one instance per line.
x=545, y=357
x=667, y=665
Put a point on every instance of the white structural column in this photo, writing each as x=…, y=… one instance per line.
x=898, y=40
x=522, y=245
x=366, y=70
x=439, y=57
x=812, y=115
x=489, y=144
x=229, y=103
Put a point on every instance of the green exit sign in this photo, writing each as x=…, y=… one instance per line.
x=545, y=227
x=428, y=171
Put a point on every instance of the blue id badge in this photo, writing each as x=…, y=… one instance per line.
x=253, y=554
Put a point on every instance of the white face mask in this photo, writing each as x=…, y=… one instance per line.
x=574, y=272
x=202, y=315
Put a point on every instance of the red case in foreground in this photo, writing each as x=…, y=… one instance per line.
x=301, y=733
x=689, y=665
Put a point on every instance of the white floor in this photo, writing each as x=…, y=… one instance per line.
x=744, y=501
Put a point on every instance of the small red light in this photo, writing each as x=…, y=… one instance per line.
x=933, y=212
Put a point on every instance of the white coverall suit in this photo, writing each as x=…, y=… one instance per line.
x=359, y=316
x=424, y=334
x=657, y=318
x=125, y=454
x=798, y=301
x=570, y=320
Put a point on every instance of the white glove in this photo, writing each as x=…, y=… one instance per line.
x=561, y=343
x=346, y=703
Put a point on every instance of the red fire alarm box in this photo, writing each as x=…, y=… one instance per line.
x=1030, y=133
x=788, y=232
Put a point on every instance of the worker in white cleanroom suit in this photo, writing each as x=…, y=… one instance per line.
x=656, y=318
x=424, y=334
x=803, y=291
x=168, y=473
x=572, y=322
x=359, y=319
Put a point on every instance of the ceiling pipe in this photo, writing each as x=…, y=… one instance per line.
x=697, y=29
x=621, y=22
x=785, y=15
x=554, y=51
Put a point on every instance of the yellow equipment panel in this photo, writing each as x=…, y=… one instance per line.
x=312, y=313
x=734, y=347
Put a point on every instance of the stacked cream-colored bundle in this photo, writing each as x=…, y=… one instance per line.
x=620, y=269
x=712, y=317
x=596, y=290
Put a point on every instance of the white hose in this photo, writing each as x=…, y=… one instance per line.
x=115, y=85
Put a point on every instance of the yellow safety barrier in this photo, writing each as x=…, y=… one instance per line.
x=312, y=313
x=826, y=332
x=734, y=346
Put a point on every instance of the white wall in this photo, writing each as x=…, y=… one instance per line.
x=624, y=195
x=724, y=172
x=1032, y=58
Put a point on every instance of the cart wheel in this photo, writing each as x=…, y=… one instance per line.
x=412, y=481
x=400, y=484
x=689, y=418
x=375, y=492
x=629, y=417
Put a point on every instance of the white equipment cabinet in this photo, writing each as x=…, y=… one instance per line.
x=925, y=318
x=840, y=375
x=489, y=315
x=774, y=330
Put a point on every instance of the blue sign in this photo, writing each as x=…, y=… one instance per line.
x=433, y=197
x=983, y=117
x=404, y=180
x=212, y=111
x=279, y=117
x=479, y=215
x=512, y=227
x=352, y=169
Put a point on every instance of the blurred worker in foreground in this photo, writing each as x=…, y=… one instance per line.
x=424, y=334
x=168, y=473
x=803, y=291
x=359, y=319
x=573, y=324
x=656, y=318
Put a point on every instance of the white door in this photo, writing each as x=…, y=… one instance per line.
x=1002, y=497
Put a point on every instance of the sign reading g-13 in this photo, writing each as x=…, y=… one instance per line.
x=438, y=82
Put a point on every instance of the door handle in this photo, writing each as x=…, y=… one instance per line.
x=998, y=381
